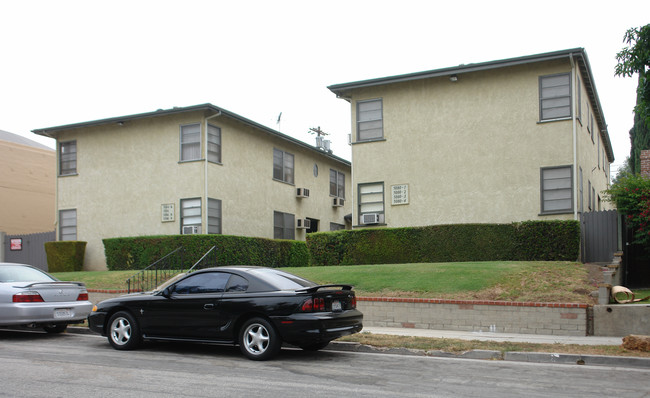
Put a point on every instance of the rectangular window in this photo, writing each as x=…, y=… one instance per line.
x=282, y=166
x=68, y=158
x=214, y=216
x=190, y=142
x=557, y=190
x=214, y=144
x=579, y=99
x=555, y=96
x=371, y=200
x=582, y=195
x=337, y=184
x=589, y=193
x=68, y=224
x=191, y=214
x=370, y=123
x=591, y=124
x=284, y=225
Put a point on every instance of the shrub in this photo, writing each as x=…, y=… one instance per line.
x=631, y=194
x=531, y=240
x=139, y=252
x=65, y=256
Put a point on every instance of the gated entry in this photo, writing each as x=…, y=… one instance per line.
x=599, y=236
x=27, y=249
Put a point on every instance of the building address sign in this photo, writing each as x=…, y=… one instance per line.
x=400, y=194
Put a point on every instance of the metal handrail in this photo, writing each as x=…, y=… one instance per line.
x=205, y=256
x=154, y=274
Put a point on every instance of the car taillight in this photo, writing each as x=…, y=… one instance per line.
x=27, y=297
x=353, y=302
x=313, y=305
x=82, y=297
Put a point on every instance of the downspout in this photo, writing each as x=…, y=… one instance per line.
x=205, y=172
x=575, y=139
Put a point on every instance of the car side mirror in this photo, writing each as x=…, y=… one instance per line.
x=167, y=292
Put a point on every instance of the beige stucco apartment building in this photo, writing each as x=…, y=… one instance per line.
x=198, y=169
x=26, y=185
x=494, y=142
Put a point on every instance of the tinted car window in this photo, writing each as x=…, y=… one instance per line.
x=209, y=282
x=282, y=280
x=237, y=284
x=16, y=273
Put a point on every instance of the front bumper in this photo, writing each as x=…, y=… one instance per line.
x=96, y=322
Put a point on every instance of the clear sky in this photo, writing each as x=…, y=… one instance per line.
x=65, y=62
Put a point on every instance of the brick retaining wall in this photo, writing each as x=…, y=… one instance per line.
x=465, y=315
x=496, y=316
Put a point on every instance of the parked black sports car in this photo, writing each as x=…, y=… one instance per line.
x=255, y=307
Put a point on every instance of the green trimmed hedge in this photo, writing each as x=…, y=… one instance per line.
x=65, y=256
x=136, y=253
x=530, y=240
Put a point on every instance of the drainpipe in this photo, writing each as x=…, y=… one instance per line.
x=575, y=139
x=205, y=172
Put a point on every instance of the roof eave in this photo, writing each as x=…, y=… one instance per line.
x=52, y=131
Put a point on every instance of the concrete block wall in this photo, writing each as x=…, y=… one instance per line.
x=486, y=316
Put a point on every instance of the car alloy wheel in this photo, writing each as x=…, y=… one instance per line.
x=123, y=332
x=258, y=339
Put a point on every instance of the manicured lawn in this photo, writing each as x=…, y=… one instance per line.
x=510, y=281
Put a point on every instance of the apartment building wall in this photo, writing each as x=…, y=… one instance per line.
x=471, y=150
x=127, y=172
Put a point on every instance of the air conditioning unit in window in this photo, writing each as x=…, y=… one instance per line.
x=370, y=218
x=191, y=229
x=338, y=202
x=302, y=192
x=303, y=223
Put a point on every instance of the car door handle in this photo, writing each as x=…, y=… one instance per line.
x=208, y=306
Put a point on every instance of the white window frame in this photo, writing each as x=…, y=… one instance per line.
x=337, y=184
x=191, y=213
x=214, y=216
x=370, y=120
x=68, y=158
x=68, y=224
x=190, y=144
x=554, y=96
x=372, y=199
x=214, y=144
x=285, y=168
x=556, y=188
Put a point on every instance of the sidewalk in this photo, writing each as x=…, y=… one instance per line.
x=535, y=357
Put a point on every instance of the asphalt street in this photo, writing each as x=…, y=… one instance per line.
x=83, y=365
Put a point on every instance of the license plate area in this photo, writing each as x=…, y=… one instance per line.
x=336, y=306
x=63, y=313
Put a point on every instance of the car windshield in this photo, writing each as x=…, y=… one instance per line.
x=18, y=273
x=282, y=280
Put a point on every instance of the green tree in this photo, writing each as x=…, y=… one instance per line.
x=635, y=58
x=631, y=194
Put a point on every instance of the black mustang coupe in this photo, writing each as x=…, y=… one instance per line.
x=258, y=308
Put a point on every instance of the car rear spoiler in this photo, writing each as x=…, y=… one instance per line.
x=314, y=289
x=81, y=284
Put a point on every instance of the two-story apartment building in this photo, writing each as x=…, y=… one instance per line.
x=494, y=142
x=197, y=169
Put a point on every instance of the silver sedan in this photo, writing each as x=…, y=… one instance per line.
x=33, y=298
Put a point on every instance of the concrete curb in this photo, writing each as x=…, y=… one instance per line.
x=533, y=357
